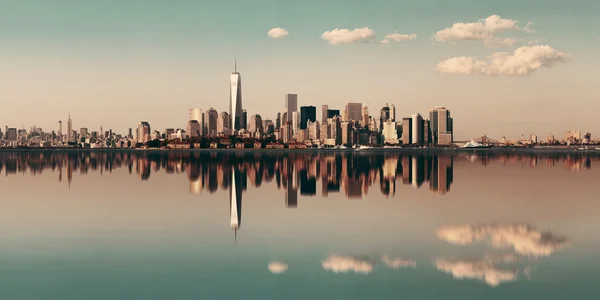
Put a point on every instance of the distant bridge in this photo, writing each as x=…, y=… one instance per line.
x=484, y=139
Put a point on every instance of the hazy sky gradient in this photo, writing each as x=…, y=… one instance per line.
x=115, y=63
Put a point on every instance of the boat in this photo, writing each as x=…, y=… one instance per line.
x=475, y=145
x=363, y=147
x=342, y=147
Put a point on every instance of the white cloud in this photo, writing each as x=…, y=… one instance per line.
x=476, y=269
x=498, y=42
x=524, y=239
x=345, y=36
x=344, y=264
x=533, y=42
x=397, y=263
x=396, y=37
x=481, y=30
x=277, y=267
x=277, y=33
x=527, y=27
x=462, y=65
x=523, y=61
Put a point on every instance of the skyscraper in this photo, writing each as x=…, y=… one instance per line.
x=353, y=112
x=389, y=132
x=193, y=128
x=235, y=100
x=324, y=116
x=278, y=121
x=223, y=122
x=332, y=113
x=295, y=122
x=307, y=113
x=244, y=120
x=210, y=121
x=59, y=134
x=384, y=115
x=255, y=127
x=417, y=129
x=143, y=132
x=365, y=116
x=195, y=114
x=406, y=131
x=291, y=105
x=69, y=129
x=441, y=125
x=235, y=202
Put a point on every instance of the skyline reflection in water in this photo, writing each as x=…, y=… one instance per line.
x=350, y=173
x=503, y=221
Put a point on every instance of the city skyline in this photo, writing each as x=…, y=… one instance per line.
x=116, y=74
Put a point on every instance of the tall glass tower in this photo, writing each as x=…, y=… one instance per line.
x=235, y=99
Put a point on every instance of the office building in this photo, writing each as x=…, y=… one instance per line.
x=222, y=124
x=60, y=130
x=314, y=130
x=295, y=122
x=278, y=121
x=193, y=128
x=70, y=136
x=291, y=105
x=332, y=113
x=255, y=127
x=235, y=101
x=285, y=132
x=390, y=133
x=244, y=121
x=441, y=126
x=417, y=130
x=426, y=132
x=406, y=131
x=348, y=133
x=365, y=116
x=353, y=112
x=210, y=121
x=324, y=116
x=11, y=134
x=307, y=113
x=195, y=114
x=143, y=132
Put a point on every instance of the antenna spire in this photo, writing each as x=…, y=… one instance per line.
x=235, y=64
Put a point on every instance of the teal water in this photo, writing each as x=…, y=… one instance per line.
x=120, y=235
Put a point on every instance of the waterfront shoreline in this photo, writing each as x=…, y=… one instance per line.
x=495, y=150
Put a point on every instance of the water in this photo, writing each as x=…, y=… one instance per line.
x=301, y=225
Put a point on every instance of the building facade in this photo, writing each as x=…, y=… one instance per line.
x=193, y=128
x=235, y=100
x=417, y=130
x=307, y=113
x=441, y=124
x=210, y=121
x=291, y=105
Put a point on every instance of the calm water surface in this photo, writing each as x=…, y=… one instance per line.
x=140, y=225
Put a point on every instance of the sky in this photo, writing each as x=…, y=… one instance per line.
x=503, y=68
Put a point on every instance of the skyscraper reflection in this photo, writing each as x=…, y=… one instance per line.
x=235, y=202
x=295, y=173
